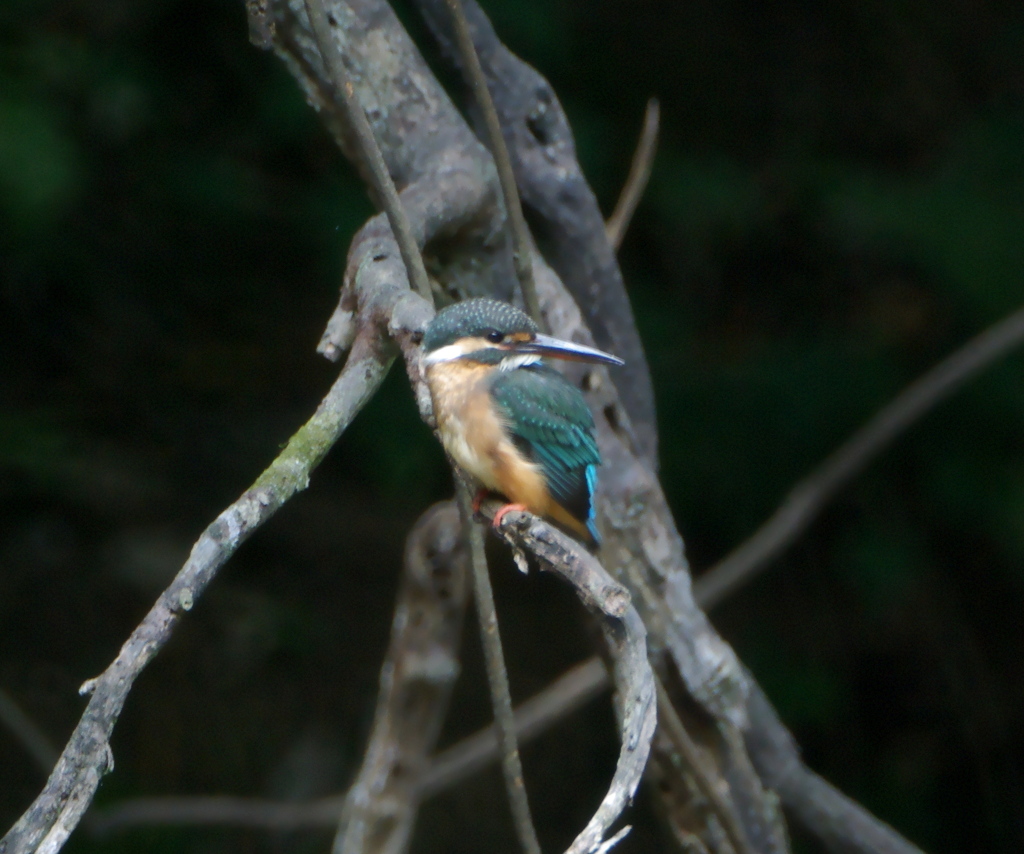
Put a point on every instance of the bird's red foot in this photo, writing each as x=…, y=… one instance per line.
x=478, y=499
x=503, y=510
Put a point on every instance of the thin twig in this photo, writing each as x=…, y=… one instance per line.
x=30, y=736
x=522, y=250
x=806, y=500
x=639, y=175
x=381, y=178
x=570, y=691
x=497, y=677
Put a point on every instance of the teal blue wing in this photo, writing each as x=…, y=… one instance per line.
x=551, y=423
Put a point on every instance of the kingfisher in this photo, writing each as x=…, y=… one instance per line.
x=510, y=420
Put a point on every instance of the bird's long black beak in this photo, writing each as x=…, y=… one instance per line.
x=556, y=348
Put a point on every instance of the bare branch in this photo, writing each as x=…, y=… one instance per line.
x=625, y=637
x=522, y=245
x=497, y=677
x=322, y=25
x=553, y=188
x=415, y=684
x=806, y=500
x=568, y=693
x=636, y=181
x=842, y=825
x=48, y=822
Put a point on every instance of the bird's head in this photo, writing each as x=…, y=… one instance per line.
x=487, y=331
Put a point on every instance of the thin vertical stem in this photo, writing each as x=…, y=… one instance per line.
x=636, y=181
x=497, y=677
x=521, y=245
x=380, y=177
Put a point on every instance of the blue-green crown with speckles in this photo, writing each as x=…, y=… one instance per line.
x=474, y=318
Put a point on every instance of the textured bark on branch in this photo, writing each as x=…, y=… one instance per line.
x=625, y=637
x=555, y=190
x=642, y=548
x=448, y=187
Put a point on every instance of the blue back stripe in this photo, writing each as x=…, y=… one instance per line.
x=591, y=489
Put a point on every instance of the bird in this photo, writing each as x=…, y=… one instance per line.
x=508, y=419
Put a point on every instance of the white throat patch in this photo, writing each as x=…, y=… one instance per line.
x=518, y=360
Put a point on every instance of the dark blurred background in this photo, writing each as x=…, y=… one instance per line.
x=837, y=203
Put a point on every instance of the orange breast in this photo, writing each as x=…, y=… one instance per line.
x=478, y=440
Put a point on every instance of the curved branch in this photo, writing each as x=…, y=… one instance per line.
x=626, y=639
x=636, y=181
x=806, y=500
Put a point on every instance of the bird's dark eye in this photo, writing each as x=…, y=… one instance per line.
x=494, y=336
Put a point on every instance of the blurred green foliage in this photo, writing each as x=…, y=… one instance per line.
x=836, y=205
